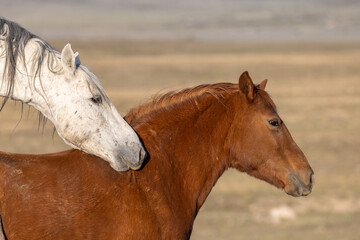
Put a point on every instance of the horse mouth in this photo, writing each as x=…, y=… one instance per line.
x=298, y=192
x=296, y=187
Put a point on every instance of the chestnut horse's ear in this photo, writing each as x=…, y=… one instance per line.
x=262, y=85
x=246, y=85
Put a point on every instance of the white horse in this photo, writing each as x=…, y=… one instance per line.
x=68, y=94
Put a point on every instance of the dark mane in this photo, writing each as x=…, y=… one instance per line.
x=13, y=39
x=170, y=99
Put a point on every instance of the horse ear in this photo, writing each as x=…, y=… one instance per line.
x=69, y=59
x=262, y=85
x=246, y=86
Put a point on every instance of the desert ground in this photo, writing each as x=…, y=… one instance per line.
x=316, y=87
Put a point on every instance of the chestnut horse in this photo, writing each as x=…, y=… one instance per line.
x=192, y=137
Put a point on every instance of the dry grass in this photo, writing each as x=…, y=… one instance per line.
x=316, y=88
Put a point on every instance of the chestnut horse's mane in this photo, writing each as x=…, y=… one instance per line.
x=170, y=99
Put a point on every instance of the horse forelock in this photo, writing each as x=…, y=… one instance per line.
x=168, y=100
x=266, y=99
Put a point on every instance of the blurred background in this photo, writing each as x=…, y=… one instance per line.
x=309, y=51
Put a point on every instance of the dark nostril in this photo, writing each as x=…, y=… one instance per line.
x=312, y=180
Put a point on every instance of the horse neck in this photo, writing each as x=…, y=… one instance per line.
x=189, y=141
x=28, y=86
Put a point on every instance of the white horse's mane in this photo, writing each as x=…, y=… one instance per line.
x=13, y=39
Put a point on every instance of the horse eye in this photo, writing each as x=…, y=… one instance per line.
x=274, y=123
x=96, y=99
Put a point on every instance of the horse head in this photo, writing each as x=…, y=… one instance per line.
x=67, y=93
x=264, y=147
x=85, y=117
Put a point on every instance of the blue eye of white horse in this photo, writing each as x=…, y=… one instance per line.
x=96, y=99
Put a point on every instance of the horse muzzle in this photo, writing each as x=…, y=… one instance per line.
x=132, y=155
x=300, y=184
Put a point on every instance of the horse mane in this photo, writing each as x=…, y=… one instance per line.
x=162, y=102
x=13, y=38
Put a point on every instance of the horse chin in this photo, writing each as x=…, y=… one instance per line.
x=119, y=166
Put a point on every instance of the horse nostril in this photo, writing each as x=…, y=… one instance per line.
x=312, y=180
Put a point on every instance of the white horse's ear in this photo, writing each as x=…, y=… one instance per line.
x=77, y=60
x=5, y=32
x=69, y=59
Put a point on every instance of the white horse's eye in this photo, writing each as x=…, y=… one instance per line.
x=96, y=99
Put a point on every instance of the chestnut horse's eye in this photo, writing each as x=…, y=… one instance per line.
x=275, y=122
x=96, y=99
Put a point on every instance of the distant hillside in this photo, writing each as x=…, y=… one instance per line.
x=212, y=20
